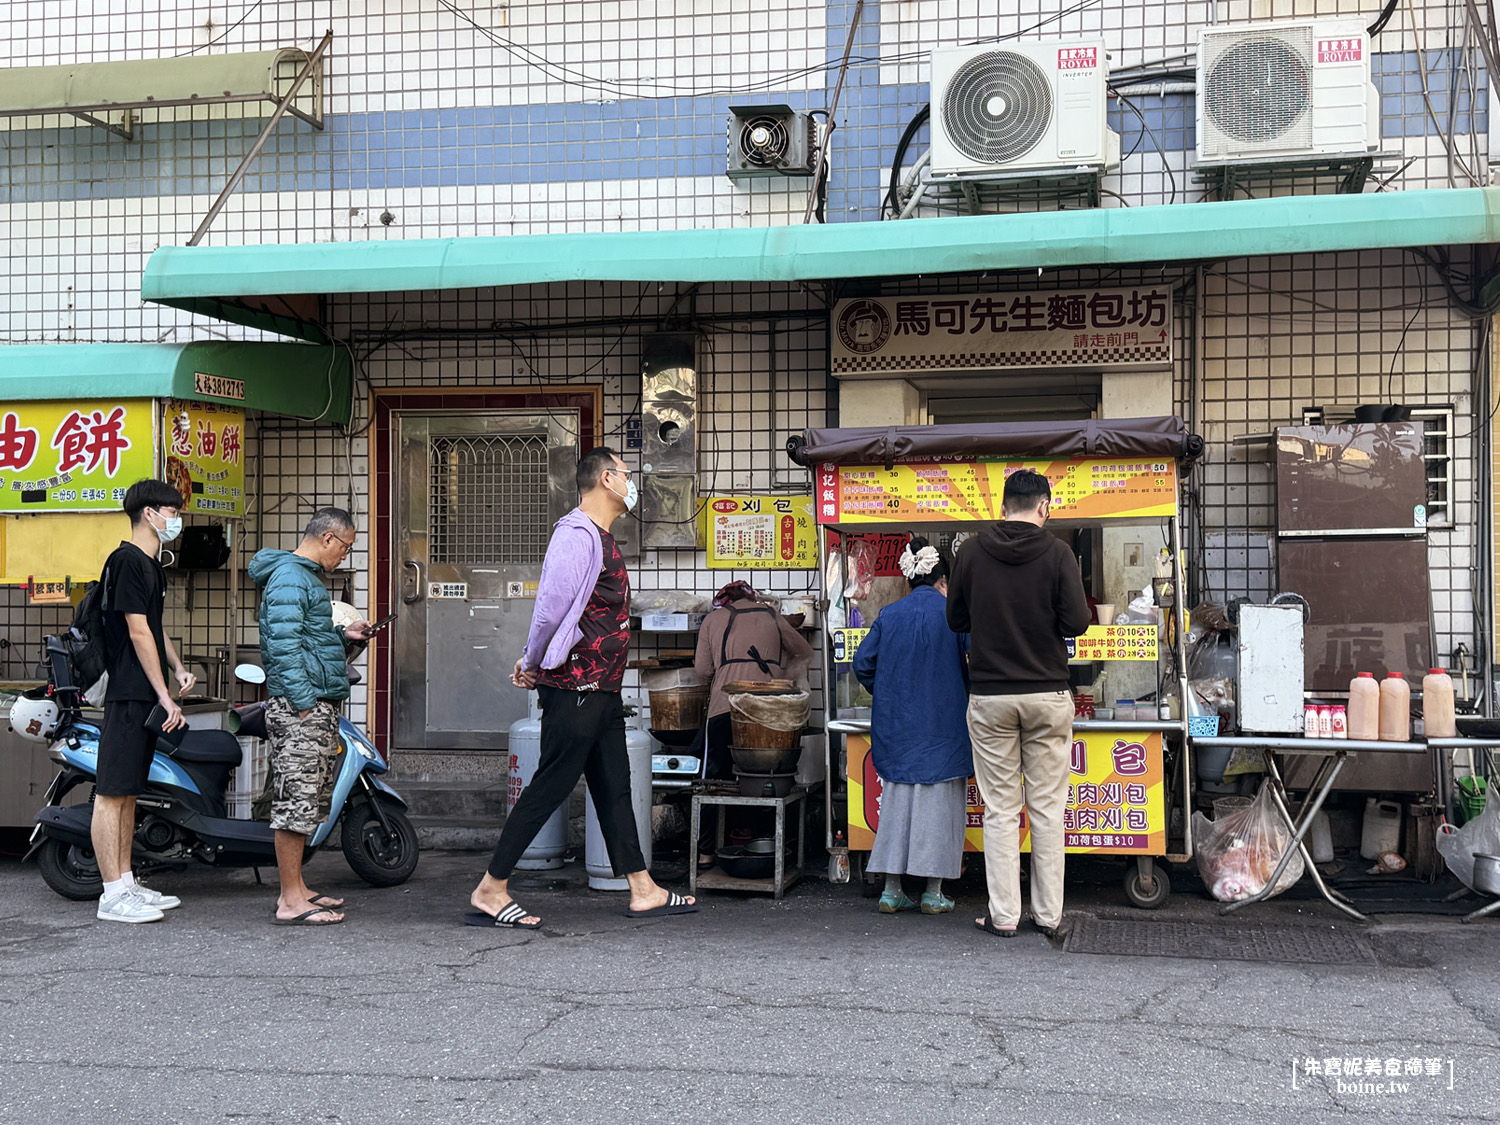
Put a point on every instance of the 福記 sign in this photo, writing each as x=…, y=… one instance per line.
x=880, y=336
x=761, y=533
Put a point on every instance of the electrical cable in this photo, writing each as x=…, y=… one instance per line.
x=1166, y=165
x=892, y=204
x=1382, y=19
x=248, y=12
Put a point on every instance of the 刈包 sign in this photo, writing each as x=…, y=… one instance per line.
x=761, y=533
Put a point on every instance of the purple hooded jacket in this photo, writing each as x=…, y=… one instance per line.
x=570, y=570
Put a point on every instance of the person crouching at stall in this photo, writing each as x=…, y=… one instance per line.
x=741, y=641
x=915, y=669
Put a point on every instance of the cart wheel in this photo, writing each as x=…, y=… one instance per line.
x=1136, y=892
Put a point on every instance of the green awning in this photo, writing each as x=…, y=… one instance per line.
x=295, y=380
x=278, y=287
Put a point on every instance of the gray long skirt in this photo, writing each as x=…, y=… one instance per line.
x=921, y=829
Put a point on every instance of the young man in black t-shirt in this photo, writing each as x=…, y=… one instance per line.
x=139, y=652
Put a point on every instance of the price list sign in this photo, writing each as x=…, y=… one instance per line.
x=967, y=491
x=761, y=533
x=1114, y=642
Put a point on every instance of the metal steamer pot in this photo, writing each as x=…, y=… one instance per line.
x=1487, y=873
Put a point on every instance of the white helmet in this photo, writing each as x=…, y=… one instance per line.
x=34, y=719
x=345, y=615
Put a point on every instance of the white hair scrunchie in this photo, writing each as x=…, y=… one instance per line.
x=917, y=565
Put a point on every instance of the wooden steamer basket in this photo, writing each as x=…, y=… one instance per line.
x=679, y=708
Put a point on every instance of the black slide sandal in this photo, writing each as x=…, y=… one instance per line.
x=509, y=918
x=675, y=904
x=989, y=927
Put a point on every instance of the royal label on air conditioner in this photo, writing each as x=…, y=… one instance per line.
x=1093, y=328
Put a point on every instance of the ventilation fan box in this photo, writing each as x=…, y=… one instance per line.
x=770, y=140
x=1019, y=107
x=1279, y=89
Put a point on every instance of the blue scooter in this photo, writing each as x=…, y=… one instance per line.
x=181, y=816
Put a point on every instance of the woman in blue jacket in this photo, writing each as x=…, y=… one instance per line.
x=915, y=668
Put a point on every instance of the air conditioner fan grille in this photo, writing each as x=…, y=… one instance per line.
x=997, y=107
x=764, y=141
x=1258, y=89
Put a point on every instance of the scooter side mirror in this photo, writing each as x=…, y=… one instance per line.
x=250, y=673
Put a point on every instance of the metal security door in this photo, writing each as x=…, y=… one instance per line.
x=477, y=498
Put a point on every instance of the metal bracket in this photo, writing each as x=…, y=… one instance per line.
x=125, y=129
x=260, y=142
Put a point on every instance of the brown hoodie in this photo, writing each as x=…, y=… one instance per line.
x=1017, y=592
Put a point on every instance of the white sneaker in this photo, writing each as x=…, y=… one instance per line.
x=156, y=898
x=127, y=906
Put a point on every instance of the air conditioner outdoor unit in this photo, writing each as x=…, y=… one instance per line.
x=770, y=140
x=1023, y=106
x=1286, y=88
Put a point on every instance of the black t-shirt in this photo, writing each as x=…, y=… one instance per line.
x=137, y=584
x=597, y=662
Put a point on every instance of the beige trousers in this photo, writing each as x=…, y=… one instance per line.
x=1016, y=735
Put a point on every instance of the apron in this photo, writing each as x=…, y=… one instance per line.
x=713, y=752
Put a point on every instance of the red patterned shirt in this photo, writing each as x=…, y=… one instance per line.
x=597, y=662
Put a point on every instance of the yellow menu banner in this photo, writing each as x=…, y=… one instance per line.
x=205, y=456
x=956, y=491
x=74, y=456
x=1114, y=642
x=1117, y=800
x=761, y=533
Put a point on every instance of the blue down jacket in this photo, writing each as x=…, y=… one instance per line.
x=302, y=651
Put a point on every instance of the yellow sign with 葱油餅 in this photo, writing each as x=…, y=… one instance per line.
x=761, y=533
x=1116, y=797
x=949, y=491
x=204, y=456
x=74, y=456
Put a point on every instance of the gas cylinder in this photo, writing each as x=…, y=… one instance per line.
x=546, y=850
x=639, y=747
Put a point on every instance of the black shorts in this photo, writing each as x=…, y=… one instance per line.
x=125, y=748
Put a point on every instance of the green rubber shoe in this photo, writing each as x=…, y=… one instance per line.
x=936, y=904
x=894, y=904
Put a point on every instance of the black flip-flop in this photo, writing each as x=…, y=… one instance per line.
x=989, y=927
x=675, y=904
x=305, y=918
x=322, y=902
x=509, y=918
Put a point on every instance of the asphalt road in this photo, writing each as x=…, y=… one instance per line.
x=811, y=1009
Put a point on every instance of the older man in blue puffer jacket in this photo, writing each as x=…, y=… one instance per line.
x=303, y=653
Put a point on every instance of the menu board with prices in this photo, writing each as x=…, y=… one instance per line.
x=1114, y=642
x=74, y=456
x=968, y=491
x=761, y=533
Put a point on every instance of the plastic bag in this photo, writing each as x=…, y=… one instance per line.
x=1142, y=610
x=788, y=711
x=1458, y=845
x=862, y=556
x=1238, y=853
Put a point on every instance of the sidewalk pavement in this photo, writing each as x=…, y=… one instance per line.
x=815, y=1008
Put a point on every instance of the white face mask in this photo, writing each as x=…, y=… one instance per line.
x=171, y=531
x=630, y=496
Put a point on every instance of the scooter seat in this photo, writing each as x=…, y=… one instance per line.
x=208, y=746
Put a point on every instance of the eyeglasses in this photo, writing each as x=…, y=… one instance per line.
x=349, y=546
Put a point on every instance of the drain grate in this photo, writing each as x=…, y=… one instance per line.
x=1228, y=941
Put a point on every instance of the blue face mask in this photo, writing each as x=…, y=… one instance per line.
x=172, y=530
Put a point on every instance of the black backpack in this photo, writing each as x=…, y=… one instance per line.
x=84, y=640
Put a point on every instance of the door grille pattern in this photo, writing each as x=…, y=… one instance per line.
x=487, y=499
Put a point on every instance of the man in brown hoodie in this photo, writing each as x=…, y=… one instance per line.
x=1017, y=592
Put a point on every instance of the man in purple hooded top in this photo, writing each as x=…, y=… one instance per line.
x=575, y=659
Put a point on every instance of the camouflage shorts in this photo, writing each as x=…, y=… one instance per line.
x=304, y=764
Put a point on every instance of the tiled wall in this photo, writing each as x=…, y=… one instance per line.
x=461, y=118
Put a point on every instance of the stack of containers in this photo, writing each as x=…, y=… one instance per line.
x=249, y=778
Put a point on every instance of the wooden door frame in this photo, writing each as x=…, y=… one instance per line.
x=587, y=399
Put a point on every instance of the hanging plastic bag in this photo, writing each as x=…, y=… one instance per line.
x=862, y=556
x=1238, y=853
x=1458, y=845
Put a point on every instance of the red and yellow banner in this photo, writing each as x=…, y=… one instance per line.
x=205, y=456
x=74, y=456
x=959, y=491
x=1116, y=797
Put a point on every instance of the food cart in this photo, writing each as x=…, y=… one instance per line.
x=875, y=486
